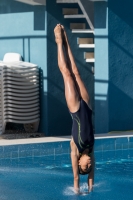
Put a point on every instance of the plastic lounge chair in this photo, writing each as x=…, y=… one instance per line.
x=19, y=93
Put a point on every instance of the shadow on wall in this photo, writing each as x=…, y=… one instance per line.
x=11, y=6
x=113, y=65
x=119, y=97
x=102, y=14
x=120, y=109
x=117, y=106
x=53, y=109
x=123, y=10
x=101, y=106
x=120, y=64
x=58, y=116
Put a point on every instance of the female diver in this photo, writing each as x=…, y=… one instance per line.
x=78, y=102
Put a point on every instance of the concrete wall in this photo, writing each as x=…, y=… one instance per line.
x=120, y=65
x=23, y=30
x=28, y=30
x=113, y=66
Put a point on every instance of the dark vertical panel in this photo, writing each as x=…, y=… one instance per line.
x=120, y=65
x=39, y=18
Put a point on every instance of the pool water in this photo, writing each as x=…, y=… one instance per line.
x=49, y=177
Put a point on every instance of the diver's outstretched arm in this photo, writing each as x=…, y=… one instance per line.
x=91, y=174
x=74, y=160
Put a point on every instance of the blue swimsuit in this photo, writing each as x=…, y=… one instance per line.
x=82, y=129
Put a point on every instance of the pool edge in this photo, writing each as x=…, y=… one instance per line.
x=4, y=142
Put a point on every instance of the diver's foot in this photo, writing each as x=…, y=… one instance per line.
x=58, y=34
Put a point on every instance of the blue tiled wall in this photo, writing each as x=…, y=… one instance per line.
x=57, y=154
x=62, y=148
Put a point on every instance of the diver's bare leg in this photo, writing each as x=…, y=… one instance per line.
x=71, y=61
x=71, y=94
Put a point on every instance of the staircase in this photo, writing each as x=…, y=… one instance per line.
x=86, y=40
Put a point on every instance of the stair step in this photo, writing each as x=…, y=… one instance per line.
x=85, y=41
x=66, y=1
x=86, y=45
x=70, y=11
x=90, y=60
x=82, y=31
x=77, y=26
x=74, y=16
x=89, y=55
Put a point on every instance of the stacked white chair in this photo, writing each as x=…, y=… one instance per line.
x=19, y=93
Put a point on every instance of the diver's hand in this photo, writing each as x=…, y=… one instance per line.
x=76, y=190
x=90, y=188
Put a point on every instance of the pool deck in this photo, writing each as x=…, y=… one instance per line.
x=12, y=139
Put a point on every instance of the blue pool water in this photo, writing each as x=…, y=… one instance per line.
x=43, y=172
